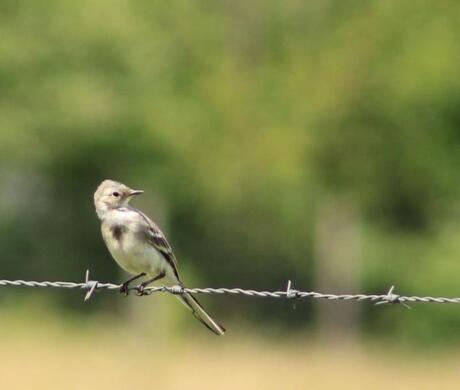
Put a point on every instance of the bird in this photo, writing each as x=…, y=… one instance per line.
x=139, y=246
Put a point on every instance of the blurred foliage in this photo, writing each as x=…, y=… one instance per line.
x=238, y=119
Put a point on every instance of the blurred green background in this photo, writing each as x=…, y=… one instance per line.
x=316, y=141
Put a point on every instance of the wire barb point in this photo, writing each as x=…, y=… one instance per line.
x=90, y=285
x=390, y=297
x=291, y=293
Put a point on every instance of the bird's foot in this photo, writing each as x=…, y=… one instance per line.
x=124, y=289
x=140, y=290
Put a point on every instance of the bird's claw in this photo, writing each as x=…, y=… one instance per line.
x=140, y=291
x=124, y=289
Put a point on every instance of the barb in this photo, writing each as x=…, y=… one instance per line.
x=393, y=298
x=92, y=286
x=290, y=293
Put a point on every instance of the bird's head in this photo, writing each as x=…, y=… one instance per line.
x=111, y=195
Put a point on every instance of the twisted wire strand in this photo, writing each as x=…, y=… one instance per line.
x=92, y=285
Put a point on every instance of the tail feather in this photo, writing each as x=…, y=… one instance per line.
x=198, y=311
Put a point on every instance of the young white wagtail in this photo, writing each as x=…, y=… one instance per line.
x=138, y=245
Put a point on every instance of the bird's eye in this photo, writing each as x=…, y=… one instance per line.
x=116, y=194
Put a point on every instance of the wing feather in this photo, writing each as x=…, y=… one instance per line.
x=158, y=240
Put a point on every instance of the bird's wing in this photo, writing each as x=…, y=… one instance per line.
x=158, y=240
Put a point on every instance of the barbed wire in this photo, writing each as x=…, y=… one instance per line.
x=91, y=286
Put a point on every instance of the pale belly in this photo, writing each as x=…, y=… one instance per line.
x=136, y=261
x=134, y=257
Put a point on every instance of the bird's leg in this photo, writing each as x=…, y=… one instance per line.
x=143, y=285
x=125, y=285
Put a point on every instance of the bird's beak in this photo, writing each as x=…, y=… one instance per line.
x=135, y=192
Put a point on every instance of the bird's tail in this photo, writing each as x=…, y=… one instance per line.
x=201, y=314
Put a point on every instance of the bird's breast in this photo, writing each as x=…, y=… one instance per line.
x=129, y=251
x=117, y=232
